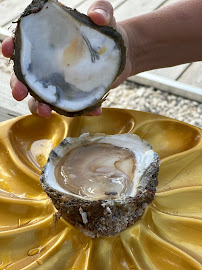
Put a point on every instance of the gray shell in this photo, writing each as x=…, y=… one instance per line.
x=100, y=218
x=35, y=7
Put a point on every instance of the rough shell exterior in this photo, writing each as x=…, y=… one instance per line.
x=35, y=7
x=104, y=217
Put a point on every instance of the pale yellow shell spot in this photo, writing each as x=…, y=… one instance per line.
x=102, y=50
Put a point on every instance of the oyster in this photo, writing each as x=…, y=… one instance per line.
x=65, y=59
x=101, y=183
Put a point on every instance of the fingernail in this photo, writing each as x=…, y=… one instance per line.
x=37, y=110
x=102, y=12
x=98, y=112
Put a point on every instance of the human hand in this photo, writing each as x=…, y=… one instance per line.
x=19, y=90
x=101, y=13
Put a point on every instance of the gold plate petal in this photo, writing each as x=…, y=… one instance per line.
x=168, y=236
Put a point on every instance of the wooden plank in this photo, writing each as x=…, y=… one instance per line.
x=6, y=99
x=85, y=5
x=9, y=28
x=168, y=85
x=4, y=33
x=172, y=72
x=11, y=9
x=6, y=114
x=72, y=3
x=133, y=8
x=169, y=2
x=193, y=75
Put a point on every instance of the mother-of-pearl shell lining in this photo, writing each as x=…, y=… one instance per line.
x=142, y=150
x=45, y=36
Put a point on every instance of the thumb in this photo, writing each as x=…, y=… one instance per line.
x=101, y=13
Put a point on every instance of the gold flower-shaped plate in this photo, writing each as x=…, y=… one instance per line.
x=168, y=236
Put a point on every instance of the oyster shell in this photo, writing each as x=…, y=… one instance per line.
x=65, y=59
x=101, y=183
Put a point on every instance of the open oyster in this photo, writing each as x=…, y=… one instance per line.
x=65, y=59
x=101, y=183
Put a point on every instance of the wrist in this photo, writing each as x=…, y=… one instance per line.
x=166, y=37
x=136, y=45
x=122, y=29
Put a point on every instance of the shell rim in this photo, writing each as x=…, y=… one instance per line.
x=107, y=216
x=36, y=7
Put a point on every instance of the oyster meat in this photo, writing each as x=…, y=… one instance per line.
x=65, y=59
x=101, y=183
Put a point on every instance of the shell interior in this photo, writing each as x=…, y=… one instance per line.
x=64, y=61
x=99, y=167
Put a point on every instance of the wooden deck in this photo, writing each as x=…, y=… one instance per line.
x=187, y=76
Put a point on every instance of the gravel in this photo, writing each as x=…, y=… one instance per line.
x=147, y=99
x=137, y=97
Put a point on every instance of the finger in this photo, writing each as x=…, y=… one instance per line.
x=101, y=13
x=33, y=106
x=120, y=79
x=13, y=80
x=19, y=90
x=124, y=75
x=98, y=112
x=44, y=110
x=8, y=47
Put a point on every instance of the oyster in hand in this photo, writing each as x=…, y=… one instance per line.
x=64, y=59
x=101, y=183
